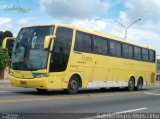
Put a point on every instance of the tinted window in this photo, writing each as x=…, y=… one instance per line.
x=61, y=49
x=137, y=53
x=79, y=42
x=145, y=54
x=112, y=47
x=118, y=49
x=115, y=48
x=125, y=50
x=130, y=51
x=151, y=56
x=104, y=46
x=83, y=42
x=87, y=43
x=97, y=44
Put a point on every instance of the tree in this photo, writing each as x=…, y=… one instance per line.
x=1, y=37
x=5, y=34
x=3, y=59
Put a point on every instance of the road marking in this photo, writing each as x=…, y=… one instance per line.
x=67, y=97
x=133, y=110
x=151, y=93
x=109, y=115
x=3, y=91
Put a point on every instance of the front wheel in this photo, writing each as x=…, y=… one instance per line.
x=131, y=84
x=73, y=85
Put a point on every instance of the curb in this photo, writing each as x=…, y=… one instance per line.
x=4, y=82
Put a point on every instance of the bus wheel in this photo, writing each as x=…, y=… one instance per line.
x=131, y=84
x=42, y=90
x=73, y=85
x=139, y=84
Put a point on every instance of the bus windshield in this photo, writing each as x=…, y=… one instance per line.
x=28, y=52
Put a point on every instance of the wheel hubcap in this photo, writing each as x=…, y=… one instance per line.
x=73, y=84
x=140, y=84
x=131, y=84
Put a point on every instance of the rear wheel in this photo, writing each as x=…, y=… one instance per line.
x=73, y=85
x=42, y=90
x=139, y=84
x=131, y=84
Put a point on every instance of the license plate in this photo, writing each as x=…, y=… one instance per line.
x=23, y=82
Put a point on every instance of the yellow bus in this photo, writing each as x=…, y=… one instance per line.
x=66, y=57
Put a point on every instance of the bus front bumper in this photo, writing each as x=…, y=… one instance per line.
x=38, y=83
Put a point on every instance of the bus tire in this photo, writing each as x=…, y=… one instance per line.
x=139, y=84
x=42, y=90
x=131, y=84
x=73, y=85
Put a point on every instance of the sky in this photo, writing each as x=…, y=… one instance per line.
x=99, y=15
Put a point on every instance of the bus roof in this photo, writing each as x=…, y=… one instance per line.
x=94, y=32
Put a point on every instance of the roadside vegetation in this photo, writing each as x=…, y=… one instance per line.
x=4, y=57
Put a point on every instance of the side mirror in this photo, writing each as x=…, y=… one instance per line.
x=48, y=40
x=8, y=43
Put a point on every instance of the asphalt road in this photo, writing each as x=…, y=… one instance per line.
x=27, y=103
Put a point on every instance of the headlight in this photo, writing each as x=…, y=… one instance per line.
x=39, y=75
x=11, y=73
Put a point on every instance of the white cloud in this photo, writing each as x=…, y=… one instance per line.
x=18, y=24
x=23, y=21
x=5, y=23
x=147, y=10
x=84, y=13
x=147, y=30
x=138, y=34
x=74, y=9
x=90, y=24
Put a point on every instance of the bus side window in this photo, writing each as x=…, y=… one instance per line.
x=145, y=54
x=104, y=46
x=78, y=41
x=61, y=49
x=112, y=47
x=130, y=52
x=87, y=46
x=118, y=49
x=115, y=48
x=137, y=53
x=151, y=56
x=97, y=47
x=125, y=51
